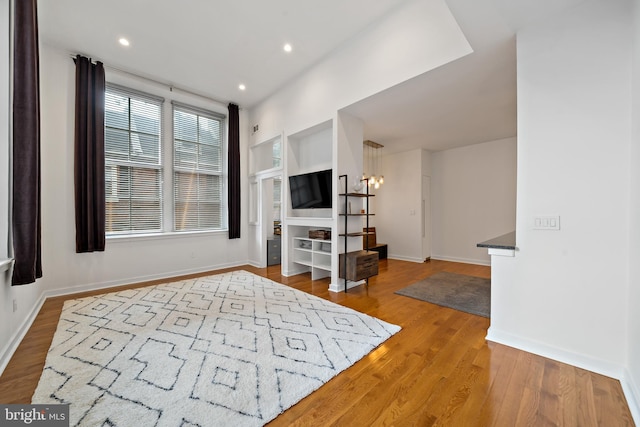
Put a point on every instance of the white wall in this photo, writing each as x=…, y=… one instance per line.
x=417, y=37
x=564, y=294
x=124, y=260
x=632, y=382
x=397, y=206
x=347, y=143
x=473, y=199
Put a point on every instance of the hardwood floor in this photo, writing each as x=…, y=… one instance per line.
x=437, y=371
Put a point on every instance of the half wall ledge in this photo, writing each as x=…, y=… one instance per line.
x=504, y=245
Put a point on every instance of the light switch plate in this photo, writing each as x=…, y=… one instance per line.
x=546, y=222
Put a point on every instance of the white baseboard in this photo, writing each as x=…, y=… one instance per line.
x=404, y=258
x=632, y=393
x=295, y=271
x=7, y=352
x=462, y=260
x=441, y=258
x=18, y=336
x=575, y=359
x=254, y=264
x=139, y=279
x=339, y=287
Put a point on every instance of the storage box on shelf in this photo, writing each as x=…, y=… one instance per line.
x=320, y=234
x=358, y=265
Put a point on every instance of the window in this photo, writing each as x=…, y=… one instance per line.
x=133, y=161
x=160, y=178
x=277, y=154
x=198, y=175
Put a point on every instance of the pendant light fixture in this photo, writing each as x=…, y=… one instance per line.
x=372, y=160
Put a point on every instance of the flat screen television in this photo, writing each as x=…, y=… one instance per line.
x=311, y=190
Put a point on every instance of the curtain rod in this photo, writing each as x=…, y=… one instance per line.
x=171, y=87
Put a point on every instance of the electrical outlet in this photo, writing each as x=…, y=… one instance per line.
x=15, y=305
x=256, y=128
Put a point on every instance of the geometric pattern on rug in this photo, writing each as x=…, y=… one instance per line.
x=458, y=291
x=232, y=349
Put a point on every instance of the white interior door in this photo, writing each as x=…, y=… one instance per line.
x=426, y=217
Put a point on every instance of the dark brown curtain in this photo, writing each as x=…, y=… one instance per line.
x=25, y=217
x=234, y=172
x=89, y=156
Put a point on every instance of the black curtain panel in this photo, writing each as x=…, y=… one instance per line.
x=89, y=156
x=234, y=172
x=25, y=216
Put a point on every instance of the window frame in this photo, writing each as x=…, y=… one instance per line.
x=167, y=164
x=221, y=172
x=133, y=94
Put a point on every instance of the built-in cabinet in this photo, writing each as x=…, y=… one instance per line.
x=335, y=144
x=274, y=251
x=314, y=253
x=266, y=155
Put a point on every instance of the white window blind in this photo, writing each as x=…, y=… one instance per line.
x=133, y=161
x=198, y=171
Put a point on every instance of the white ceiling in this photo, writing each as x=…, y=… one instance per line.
x=210, y=47
x=468, y=101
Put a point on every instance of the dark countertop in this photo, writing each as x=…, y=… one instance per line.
x=506, y=241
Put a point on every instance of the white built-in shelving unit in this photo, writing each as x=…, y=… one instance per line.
x=334, y=144
x=313, y=253
x=309, y=150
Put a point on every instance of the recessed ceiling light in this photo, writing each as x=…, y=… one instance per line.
x=287, y=47
x=241, y=86
x=123, y=41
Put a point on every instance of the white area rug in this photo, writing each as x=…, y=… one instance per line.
x=233, y=349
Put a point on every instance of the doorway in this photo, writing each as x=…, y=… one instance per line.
x=271, y=220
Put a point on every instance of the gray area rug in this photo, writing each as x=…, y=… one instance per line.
x=233, y=349
x=460, y=292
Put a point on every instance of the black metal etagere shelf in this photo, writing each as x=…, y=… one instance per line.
x=348, y=234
